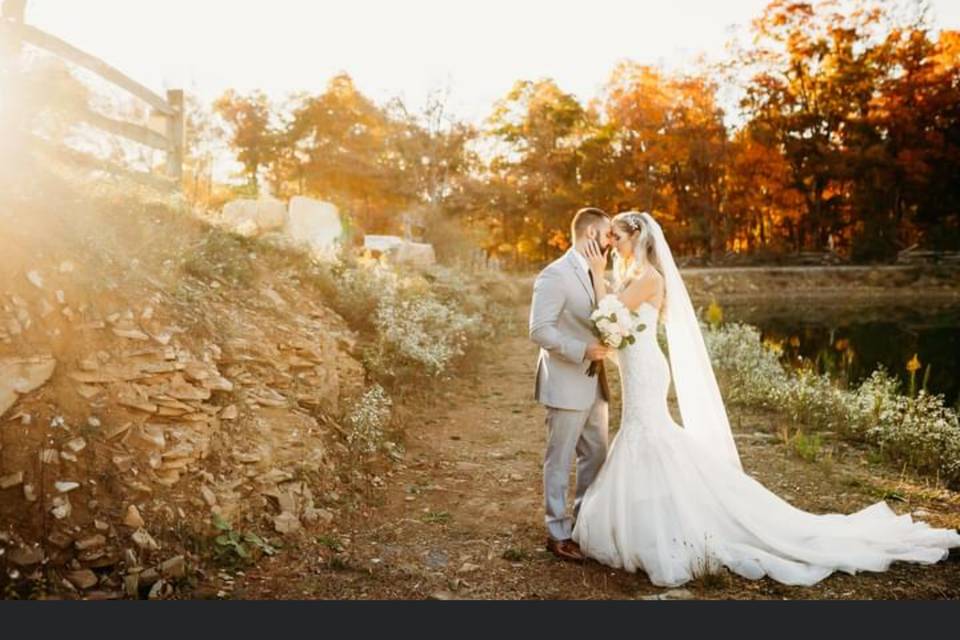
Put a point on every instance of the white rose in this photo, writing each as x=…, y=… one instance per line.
x=615, y=340
x=608, y=304
x=618, y=331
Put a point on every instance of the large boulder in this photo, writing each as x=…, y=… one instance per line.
x=381, y=244
x=250, y=217
x=271, y=214
x=415, y=254
x=314, y=223
x=240, y=216
x=396, y=250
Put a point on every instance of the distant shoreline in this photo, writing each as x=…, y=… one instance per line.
x=833, y=285
x=845, y=269
x=889, y=283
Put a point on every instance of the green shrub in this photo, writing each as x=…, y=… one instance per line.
x=412, y=324
x=368, y=419
x=920, y=432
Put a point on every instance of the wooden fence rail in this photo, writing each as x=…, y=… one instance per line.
x=15, y=33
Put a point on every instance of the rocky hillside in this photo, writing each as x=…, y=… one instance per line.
x=156, y=376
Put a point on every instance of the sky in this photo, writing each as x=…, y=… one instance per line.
x=474, y=50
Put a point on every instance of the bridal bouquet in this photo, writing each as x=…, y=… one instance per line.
x=615, y=325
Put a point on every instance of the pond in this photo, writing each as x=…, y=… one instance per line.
x=849, y=341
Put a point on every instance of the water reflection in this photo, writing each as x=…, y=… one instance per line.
x=851, y=341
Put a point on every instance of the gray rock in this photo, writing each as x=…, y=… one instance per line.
x=672, y=594
x=11, y=480
x=437, y=559
x=132, y=518
x=130, y=558
x=91, y=542
x=82, y=579
x=26, y=556
x=175, y=567
x=60, y=539
x=144, y=540
x=149, y=577
x=131, y=585
x=160, y=589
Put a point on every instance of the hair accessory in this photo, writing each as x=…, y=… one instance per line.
x=633, y=221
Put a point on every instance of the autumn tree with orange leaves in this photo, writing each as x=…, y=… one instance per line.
x=846, y=139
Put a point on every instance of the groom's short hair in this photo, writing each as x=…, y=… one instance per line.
x=585, y=217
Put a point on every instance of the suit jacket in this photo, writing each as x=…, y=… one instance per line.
x=563, y=300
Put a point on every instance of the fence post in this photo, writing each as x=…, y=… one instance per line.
x=12, y=14
x=176, y=135
x=14, y=10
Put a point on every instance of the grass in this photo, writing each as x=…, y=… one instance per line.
x=438, y=517
x=514, y=554
x=330, y=542
x=712, y=580
x=709, y=574
x=888, y=493
x=232, y=548
x=339, y=563
x=223, y=257
x=805, y=447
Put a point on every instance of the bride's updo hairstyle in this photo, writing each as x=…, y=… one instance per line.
x=635, y=225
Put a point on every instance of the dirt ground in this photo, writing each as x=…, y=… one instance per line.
x=461, y=516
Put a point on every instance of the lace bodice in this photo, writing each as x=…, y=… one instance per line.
x=644, y=376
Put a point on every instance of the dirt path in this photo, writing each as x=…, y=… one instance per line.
x=462, y=516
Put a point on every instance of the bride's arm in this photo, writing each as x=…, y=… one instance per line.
x=646, y=289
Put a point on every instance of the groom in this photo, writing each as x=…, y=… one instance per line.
x=577, y=404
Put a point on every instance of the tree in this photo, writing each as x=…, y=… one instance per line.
x=203, y=135
x=251, y=135
x=762, y=210
x=846, y=92
x=669, y=146
x=335, y=147
x=916, y=114
x=436, y=160
x=538, y=128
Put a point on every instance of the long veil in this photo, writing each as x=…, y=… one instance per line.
x=701, y=406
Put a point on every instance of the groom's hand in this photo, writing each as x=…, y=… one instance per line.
x=596, y=352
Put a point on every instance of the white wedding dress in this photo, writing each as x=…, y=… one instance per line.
x=671, y=505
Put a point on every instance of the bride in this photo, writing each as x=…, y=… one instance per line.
x=674, y=501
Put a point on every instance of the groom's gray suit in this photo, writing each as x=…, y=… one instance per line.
x=577, y=405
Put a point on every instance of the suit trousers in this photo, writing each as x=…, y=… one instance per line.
x=585, y=434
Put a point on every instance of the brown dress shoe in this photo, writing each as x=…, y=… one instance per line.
x=565, y=550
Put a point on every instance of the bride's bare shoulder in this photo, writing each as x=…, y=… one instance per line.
x=650, y=278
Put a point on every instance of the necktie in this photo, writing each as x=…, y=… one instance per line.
x=601, y=370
